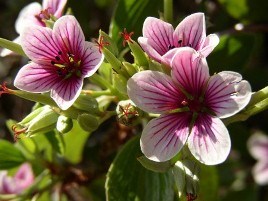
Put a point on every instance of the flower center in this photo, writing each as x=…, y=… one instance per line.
x=195, y=105
x=44, y=15
x=67, y=65
x=180, y=44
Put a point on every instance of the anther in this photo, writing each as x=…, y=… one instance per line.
x=57, y=58
x=60, y=52
x=53, y=62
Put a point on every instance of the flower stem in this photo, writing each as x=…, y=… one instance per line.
x=168, y=10
x=257, y=104
x=104, y=83
x=96, y=93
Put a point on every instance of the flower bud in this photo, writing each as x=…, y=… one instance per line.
x=186, y=173
x=120, y=83
x=31, y=116
x=64, y=124
x=87, y=103
x=88, y=122
x=127, y=112
x=43, y=122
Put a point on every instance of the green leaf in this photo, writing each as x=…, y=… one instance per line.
x=128, y=180
x=130, y=14
x=208, y=183
x=233, y=48
x=10, y=156
x=74, y=143
x=14, y=47
x=246, y=10
x=56, y=141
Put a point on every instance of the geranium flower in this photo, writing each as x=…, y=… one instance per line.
x=258, y=147
x=61, y=60
x=19, y=182
x=160, y=41
x=35, y=13
x=190, y=104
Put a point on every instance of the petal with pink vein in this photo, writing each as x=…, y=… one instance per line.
x=209, y=141
x=163, y=137
x=154, y=92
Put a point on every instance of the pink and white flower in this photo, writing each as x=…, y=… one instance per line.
x=190, y=103
x=61, y=59
x=160, y=41
x=18, y=183
x=258, y=147
x=36, y=14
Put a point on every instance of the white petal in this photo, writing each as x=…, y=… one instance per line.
x=163, y=137
x=27, y=16
x=209, y=140
x=227, y=93
x=210, y=43
x=260, y=172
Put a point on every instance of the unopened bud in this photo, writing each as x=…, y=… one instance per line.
x=127, y=112
x=186, y=175
x=43, y=122
x=87, y=103
x=88, y=122
x=64, y=124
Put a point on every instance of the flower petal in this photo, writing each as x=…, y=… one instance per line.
x=227, y=93
x=190, y=70
x=167, y=58
x=154, y=92
x=210, y=43
x=260, y=172
x=149, y=49
x=209, y=140
x=27, y=16
x=91, y=59
x=163, y=137
x=66, y=92
x=258, y=146
x=159, y=34
x=69, y=35
x=36, y=78
x=38, y=44
x=24, y=177
x=191, y=31
x=54, y=6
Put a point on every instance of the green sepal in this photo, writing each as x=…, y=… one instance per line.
x=112, y=47
x=14, y=47
x=138, y=53
x=154, y=166
x=130, y=68
x=120, y=83
x=88, y=122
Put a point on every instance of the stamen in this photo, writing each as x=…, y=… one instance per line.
x=170, y=47
x=57, y=58
x=60, y=52
x=126, y=36
x=52, y=62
